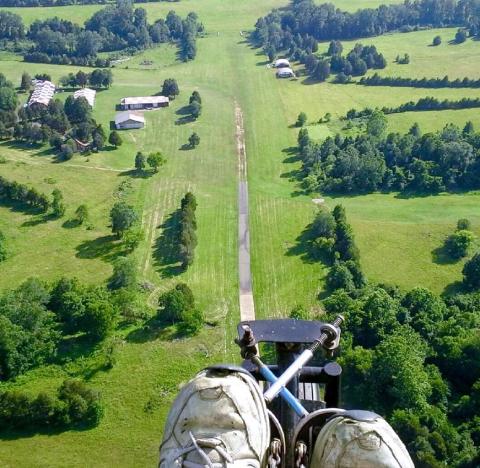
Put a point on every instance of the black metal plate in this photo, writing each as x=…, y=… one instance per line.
x=283, y=330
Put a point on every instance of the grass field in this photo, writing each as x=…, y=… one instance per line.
x=397, y=237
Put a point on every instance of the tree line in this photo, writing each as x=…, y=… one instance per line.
x=412, y=162
x=357, y=62
x=188, y=226
x=99, y=78
x=13, y=191
x=116, y=28
x=423, y=104
x=48, y=3
x=302, y=23
x=404, y=353
x=73, y=405
x=398, y=81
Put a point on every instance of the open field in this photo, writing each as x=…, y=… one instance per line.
x=396, y=236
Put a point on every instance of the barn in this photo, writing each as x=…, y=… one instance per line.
x=87, y=93
x=285, y=73
x=126, y=120
x=144, y=102
x=281, y=63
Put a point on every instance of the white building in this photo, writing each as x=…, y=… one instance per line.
x=285, y=73
x=126, y=120
x=87, y=93
x=144, y=102
x=281, y=63
x=42, y=93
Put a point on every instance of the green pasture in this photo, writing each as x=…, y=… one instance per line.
x=397, y=237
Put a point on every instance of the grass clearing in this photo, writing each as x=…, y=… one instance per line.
x=396, y=236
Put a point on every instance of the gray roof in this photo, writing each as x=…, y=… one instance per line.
x=121, y=117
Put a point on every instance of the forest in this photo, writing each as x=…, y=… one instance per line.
x=114, y=29
x=447, y=160
x=404, y=352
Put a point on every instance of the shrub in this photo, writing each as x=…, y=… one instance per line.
x=192, y=321
x=458, y=244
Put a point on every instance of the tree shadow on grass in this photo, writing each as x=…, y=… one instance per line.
x=104, y=247
x=440, y=256
x=154, y=329
x=48, y=431
x=305, y=248
x=40, y=219
x=454, y=288
x=167, y=248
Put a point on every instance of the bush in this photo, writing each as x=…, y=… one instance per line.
x=458, y=244
x=124, y=273
x=471, y=272
x=299, y=312
x=340, y=277
x=176, y=302
x=192, y=321
x=464, y=224
x=74, y=405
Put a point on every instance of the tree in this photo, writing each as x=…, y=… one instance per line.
x=3, y=247
x=471, y=272
x=301, y=119
x=340, y=277
x=124, y=273
x=58, y=207
x=115, y=139
x=132, y=238
x=81, y=78
x=140, y=161
x=192, y=321
x=170, y=88
x=459, y=243
x=122, y=217
x=81, y=214
x=377, y=124
x=335, y=48
x=194, y=140
x=26, y=82
x=174, y=303
x=322, y=70
x=415, y=130
x=464, y=224
x=469, y=128
x=437, y=40
x=155, y=160
x=8, y=99
x=460, y=36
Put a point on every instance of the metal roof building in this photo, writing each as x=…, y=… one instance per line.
x=126, y=120
x=42, y=93
x=87, y=93
x=144, y=102
x=285, y=73
x=281, y=63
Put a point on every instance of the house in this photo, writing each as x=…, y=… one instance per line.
x=43, y=92
x=144, y=102
x=281, y=63
x=87, y=93
x=125, y=120
x=285, y=73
